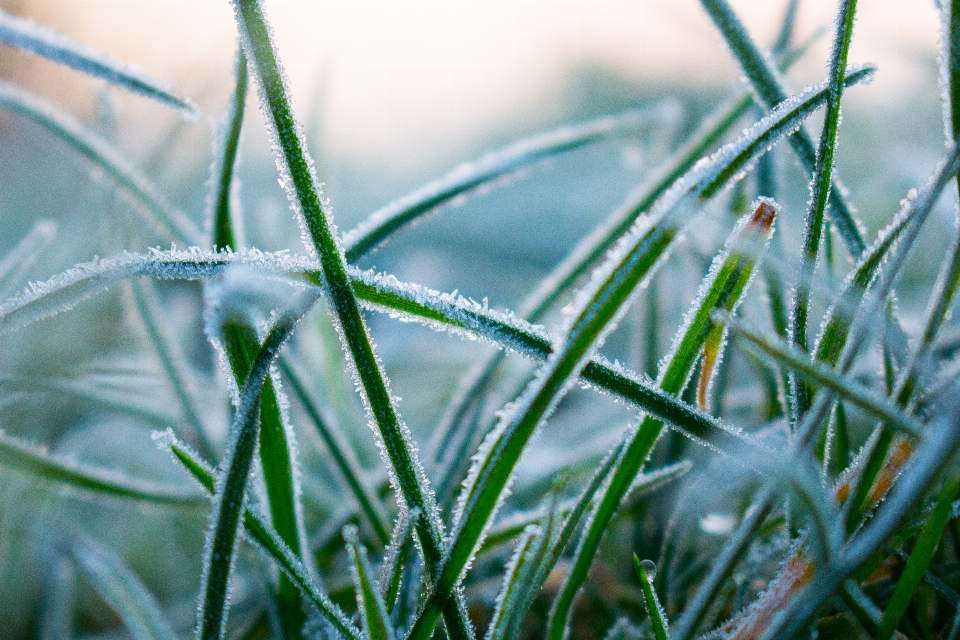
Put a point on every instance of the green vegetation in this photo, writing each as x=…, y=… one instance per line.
x=788, y=465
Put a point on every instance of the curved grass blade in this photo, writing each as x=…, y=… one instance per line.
x=90, y=480
x=518, y=571
x=769, y=87
x=920, y=559
x=224, y=199
x=385, y=222
x=646, y=572
x=26, y=35
x=26, y=251
x=845, y=387
x=373, y=610
x=820, y=189
x=722, y=288
x=122, y=590
x=227, y=514
x=305, y=195
x=171, y=360
x=343, y=456
x=161, y=213
x=261, y=533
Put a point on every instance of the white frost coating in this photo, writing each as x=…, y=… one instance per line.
x=29, y=36
x=479, y=320
x=68, y=288
x=26, y=251
x=245, y=291
x=478, y=174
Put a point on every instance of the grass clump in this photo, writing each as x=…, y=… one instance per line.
x=789, y=469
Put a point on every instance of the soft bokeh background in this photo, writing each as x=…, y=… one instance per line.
x=392, y=93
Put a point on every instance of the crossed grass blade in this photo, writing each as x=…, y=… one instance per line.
x=263, y=535
x=722, y=288
x=304, y=193
x=597, y=306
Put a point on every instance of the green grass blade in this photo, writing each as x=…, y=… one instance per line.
x=395, y=557
x=162, y=214
x=56, y=621
x=518, y=571
x=224, y=199
x=122, y=590
x=91, y=481
x=171, y=360
x=373, y=610
x=277, y=459
x=845, y=387
x=722, y=288
x=920, y=559
x=304, y=192
x=227, y=514
x=658, y=619
x=820, y=189
x=343, y=456
x=769, y=87
x=261, y=533
x=385, y=222
x=28, y=36
x=26, y=251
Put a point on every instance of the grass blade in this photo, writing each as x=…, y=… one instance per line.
x=91, y=481
x=263, y=534
x=122, y=590
x=845, y=387
x=130, y=180
x=647, y=571
x=518, y=571
x=224, y=200
x=305, y=194
x=722, y=288
x=343, y=456
x=766, y=82
x=820, y=190
x=920, y=558
x=26, y=251
x=395, y=557
x=162, y=214
x=26, y=35
x=227, y=514
x=171, y=360
x=278, y=461
x=373, y=611
x=386, y=221
x=56, y=621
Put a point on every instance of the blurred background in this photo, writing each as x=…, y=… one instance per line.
x=391, y=94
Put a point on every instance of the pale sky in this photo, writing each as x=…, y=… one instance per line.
x=397, y=70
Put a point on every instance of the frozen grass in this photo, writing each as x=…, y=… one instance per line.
x=826, y=503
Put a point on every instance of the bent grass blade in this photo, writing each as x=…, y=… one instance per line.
x=26, y=35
